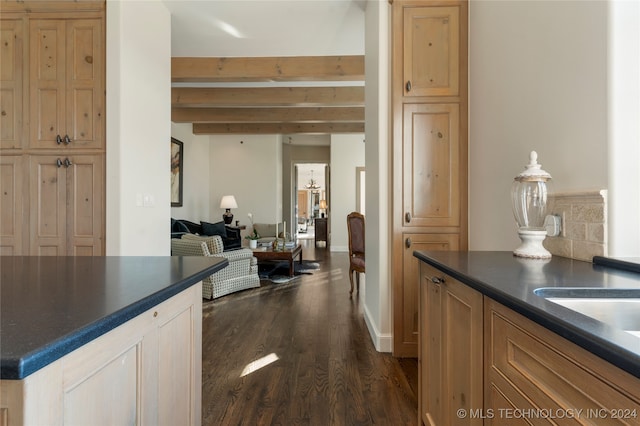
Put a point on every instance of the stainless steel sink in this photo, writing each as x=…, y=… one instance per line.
x=619, y=307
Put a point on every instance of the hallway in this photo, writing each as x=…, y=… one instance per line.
x=320, y=366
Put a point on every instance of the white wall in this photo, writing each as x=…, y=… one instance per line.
x=377, y=295
x=248, y=167
x=196, y=182
x=624, y=129
x=538, y=74
x=347, y=153
x=138, y=128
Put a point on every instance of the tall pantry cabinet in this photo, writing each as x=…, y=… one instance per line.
x=429, y=113
x=52, y=138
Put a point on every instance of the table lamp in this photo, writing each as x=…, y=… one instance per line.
x=323, y=206
x=228, y=202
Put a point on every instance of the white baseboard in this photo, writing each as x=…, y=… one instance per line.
x=382, y=342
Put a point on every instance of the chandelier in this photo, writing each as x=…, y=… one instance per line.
x=312, y=183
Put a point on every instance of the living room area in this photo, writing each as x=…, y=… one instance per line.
x=260, y=171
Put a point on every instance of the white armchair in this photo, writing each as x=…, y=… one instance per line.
x=240, y=274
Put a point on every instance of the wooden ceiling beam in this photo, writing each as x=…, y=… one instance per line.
x=267, y=115
x=300, y=68
x=275, y=128
x=199, y=97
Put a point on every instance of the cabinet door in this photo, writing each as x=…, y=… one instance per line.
x=47, y=64
x=47, y=206
x=66, y=80
x=451, y=348
x=528, y=367
x=431, y=51
x=430, y=360
x=85, y=200
x=431, y=165
x=11, y=200
x=85, y=83
x=180, y=361
x=406, y=305
x=11, y=75
x=462, y=352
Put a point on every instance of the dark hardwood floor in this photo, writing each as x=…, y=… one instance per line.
x=323, y=370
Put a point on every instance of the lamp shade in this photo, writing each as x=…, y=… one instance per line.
x=228, y=202
x=323, y=204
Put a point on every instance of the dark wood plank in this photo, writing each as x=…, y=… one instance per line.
x=328, y=371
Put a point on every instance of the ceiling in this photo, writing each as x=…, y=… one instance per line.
x=268, y=67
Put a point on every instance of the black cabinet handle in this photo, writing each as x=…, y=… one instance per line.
x=58, y=139
x=67, y=139
x=437, y=280
x=407, y=242
x=408, y=86
x=407, y=217
x=67, y=163
x=59, y=163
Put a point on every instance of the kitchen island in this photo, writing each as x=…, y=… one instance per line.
x=82, y=335
x=493, y=340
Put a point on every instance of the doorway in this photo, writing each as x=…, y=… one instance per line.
x=311, y=197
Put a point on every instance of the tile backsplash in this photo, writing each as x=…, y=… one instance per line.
x=584, y=224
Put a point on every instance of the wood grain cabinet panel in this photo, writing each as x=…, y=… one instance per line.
x=450, y=350
x=67, y=83
x=431, y=50
x=66, y=205
x=431, y=165
x=11, y=202
x=530, y=368
x=11, y=82
x=408, y=303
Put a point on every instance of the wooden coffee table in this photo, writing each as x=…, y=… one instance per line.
x=287, y=254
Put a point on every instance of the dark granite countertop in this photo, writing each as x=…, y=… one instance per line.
x=511, y=281
x=51, y=306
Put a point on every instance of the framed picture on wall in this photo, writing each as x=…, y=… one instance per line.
x=177, y=155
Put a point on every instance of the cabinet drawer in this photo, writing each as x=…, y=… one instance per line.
x=530, y=367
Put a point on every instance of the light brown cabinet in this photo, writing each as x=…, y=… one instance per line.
x=431, y=49
x=429, y=91
x=66, y=205
x=66, y=84
x=499, y=368
x=11, y=82
x=530, y=370
x=431, y=165
x=408, y=304
x=11, y=201
x=450, y=349
x=52, y=82
x=147, y=371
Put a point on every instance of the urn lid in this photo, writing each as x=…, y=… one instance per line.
x=533, y=171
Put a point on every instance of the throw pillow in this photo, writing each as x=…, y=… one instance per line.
x=178, y=226
x=217, y=228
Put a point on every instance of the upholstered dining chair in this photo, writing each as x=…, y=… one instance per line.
x=355, y=227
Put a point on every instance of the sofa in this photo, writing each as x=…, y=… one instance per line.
x=240, y=274
x=231, y=238
x=267, y=232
